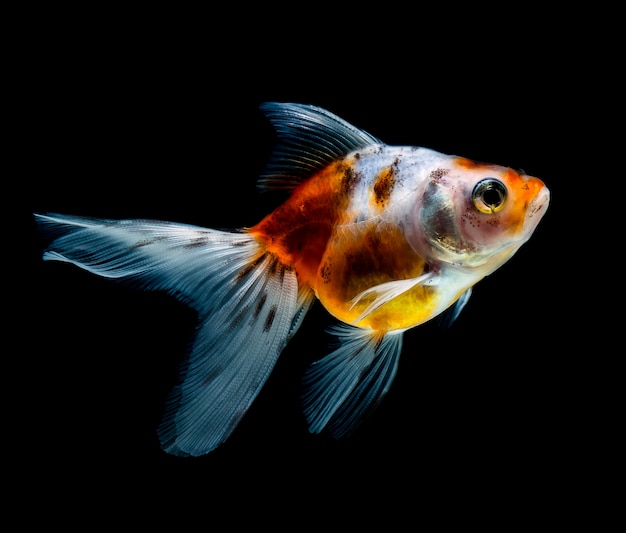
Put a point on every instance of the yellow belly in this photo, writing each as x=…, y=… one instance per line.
x=409, y=309
x=359, y=257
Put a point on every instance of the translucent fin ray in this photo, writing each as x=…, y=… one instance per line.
x=341, y=389
x=385, y=292
x=248, y=307
x=447, y=318
x=308, y=138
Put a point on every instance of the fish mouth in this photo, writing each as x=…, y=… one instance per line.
x=536, y=210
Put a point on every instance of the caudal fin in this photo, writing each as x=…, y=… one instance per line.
x=248, y=306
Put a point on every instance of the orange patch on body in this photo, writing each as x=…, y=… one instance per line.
x=313, y=233
x=297, y=232
x=383, y=185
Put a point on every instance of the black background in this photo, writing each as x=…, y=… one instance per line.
x=130, y=115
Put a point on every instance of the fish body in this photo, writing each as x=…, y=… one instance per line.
x=384, y=237
x=389, y=214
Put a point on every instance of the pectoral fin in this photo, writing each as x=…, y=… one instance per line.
x=386, y=292
x=446, y=318
x=345, y=386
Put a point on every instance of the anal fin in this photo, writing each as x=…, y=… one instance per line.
x=342, y=388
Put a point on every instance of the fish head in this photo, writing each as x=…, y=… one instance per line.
x=477, y=215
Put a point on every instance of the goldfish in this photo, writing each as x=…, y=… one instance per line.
x=384, y=237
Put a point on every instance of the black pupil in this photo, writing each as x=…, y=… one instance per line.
x=492, y=196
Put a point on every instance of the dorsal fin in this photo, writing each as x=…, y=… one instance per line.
x=308, y=138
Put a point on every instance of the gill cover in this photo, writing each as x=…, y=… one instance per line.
x=438, y=218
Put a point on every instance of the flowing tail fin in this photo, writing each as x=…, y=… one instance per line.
x=248, y=306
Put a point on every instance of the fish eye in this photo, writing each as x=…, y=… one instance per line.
x=489, y=195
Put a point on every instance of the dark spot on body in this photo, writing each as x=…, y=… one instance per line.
x=470, y=218
x=438, y=173
x=260, y=304
x=236, y=321
x=270, y=319
x=211, y=376
x=273, y=267
x=145, y=242
x=249, y=268
x=384, y=184
x=148, y=242
x=350, y=178
x=325, y=272
x=196, y=243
